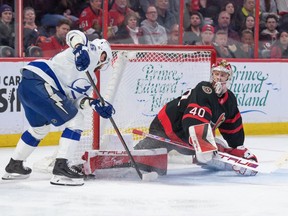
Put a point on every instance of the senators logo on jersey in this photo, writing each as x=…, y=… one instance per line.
x=207, y=89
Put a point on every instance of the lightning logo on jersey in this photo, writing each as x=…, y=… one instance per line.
x=79, y=88
x=55, y=97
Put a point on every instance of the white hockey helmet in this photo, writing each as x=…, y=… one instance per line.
x=102, y=46
x=222, y=66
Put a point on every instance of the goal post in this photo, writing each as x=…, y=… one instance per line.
x=141, y=80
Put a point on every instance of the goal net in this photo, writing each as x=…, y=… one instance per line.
x=140, y=81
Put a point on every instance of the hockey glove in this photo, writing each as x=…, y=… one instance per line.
x=82, y=59
x=105, y=111
x=243, y=152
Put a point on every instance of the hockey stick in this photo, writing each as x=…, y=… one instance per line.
x=146, y=176
x=220, y=156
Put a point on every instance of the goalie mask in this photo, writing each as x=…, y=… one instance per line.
x=221, y=76
x=103, y=52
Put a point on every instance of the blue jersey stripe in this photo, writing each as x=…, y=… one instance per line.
x=44, y=67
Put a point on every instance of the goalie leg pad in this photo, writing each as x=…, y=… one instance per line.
x=217, y=165
x=222, y=166
x=148, y=160
x=244, y=171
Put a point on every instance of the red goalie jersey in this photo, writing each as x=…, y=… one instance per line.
x=202, y=105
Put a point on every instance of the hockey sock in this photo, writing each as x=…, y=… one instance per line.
x=68, y=143
x=25, y=146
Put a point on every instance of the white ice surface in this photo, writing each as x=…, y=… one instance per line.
x=186, y=190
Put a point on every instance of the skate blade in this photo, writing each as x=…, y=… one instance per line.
x=14, y=176
x=65, y=181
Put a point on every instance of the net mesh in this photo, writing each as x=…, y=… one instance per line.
x=138, y=84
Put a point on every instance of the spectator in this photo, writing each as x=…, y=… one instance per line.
x=245, y=49
x=90, y=20
x=7, y=34
x=117, y=14
x=209, y=10
x=56, y=43
x=280, y=48
x=229, y=7
x=247, y=9
x=174, y=7
x=249, y=23
x=282, y=7
x=207, y=35
x=130, y=33
x=192, y=33
x=110, y=4
x=221, y=45
x=165, y=17
x=153, y=32
x=206, y=8
x=33, y=51
x=186, y=15
x=144, y=4
x=136, y=7
x=70, y=11
x=30, y=29
x=53, y=11
x=269, y=35
x=267, y=7
x=173, y=35
x=6, y=51
x=224, y=24
x=237, y=4
x=194, y=5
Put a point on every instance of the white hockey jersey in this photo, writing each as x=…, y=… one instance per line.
x=61, y=73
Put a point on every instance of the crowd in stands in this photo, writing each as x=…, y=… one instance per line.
x=228, y=25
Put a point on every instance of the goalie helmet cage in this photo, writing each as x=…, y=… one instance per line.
x=142, y=79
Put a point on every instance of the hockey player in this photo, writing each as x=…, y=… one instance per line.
x=53, y=92
x=209, y=102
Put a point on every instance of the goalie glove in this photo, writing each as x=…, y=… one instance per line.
x=243, y=152
x=82, y=59
x=240, y=151
x=104, y=110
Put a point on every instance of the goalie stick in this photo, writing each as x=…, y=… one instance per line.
x=146, y=176
x=220, y=156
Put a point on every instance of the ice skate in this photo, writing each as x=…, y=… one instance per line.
x=16, y=170
x=65, y=175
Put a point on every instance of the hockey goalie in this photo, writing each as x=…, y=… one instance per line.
x=193, y=118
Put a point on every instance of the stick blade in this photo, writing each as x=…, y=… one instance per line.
x=152, y=176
